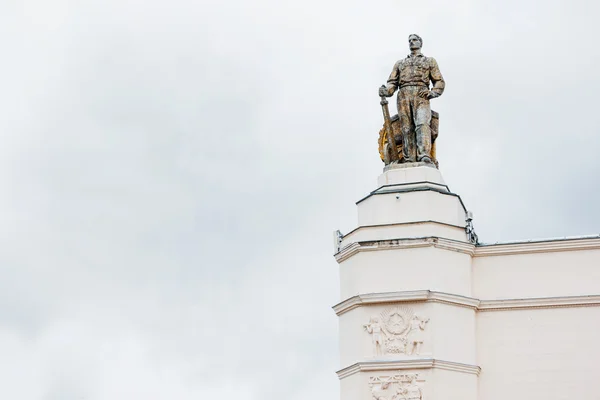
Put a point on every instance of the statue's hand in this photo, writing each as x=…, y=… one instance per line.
x=427, y=94
x=383, y=91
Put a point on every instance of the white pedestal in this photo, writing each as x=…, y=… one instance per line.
x=410, y=240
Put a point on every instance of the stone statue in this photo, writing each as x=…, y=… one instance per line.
x=415, y=335
x=378, y=390
x=377, y=394
x=396, y=330
x=396, y=387
x=409, y=391
x=470, y=230
x=377, y=335
x=412, y=76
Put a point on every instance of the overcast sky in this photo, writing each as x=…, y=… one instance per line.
x=171, y=173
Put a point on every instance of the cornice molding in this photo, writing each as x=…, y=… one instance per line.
x=403, y=297
x=485, y=250
x=400, y=224
x=399, y=365
x=428, y=187
x=540, y=303
x=548, y=246
x=406, y=243
x=419, y=296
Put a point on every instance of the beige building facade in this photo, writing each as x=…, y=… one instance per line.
x=427, y=314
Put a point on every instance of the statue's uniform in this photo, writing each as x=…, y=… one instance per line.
x=411, y=76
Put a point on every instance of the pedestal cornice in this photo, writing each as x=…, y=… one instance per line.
x=540, y=303
x=358, y=228
x=412, y=187
x=463, y=301
x=423, y=363
x=538, y=246
x=404, y=243
x=404, y=297
x=482, y=250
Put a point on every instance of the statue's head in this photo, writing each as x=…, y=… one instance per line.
x=415, y=42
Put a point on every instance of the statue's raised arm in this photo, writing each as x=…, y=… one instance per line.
x=417, y=79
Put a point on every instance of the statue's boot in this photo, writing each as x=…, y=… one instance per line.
x=423, y=136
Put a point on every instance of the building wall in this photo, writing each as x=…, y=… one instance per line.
x=546, y=354
x=549, y=274
x=393, y=270
x=528, y=319
x=506, y=321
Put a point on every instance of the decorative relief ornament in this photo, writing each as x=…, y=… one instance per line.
x=377, y=335
x=395, y=387
x=416, y=335
x=397, y=330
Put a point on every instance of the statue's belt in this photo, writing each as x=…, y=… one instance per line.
x=405, y=84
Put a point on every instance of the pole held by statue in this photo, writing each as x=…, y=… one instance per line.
x=392, y=153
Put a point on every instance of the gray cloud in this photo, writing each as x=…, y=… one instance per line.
x=172, y=172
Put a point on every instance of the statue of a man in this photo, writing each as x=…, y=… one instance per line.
x=375, y=329
x=411, y=77
x=415, y=335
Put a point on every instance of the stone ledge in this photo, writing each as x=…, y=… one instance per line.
x=406, y=243
x=421, y=222
x=547, y=246
x=540, y=303
x=417, y=189
x=407, y=187
x=463, y=301
x=423, y=363
x=402, y=297
x=488, y=250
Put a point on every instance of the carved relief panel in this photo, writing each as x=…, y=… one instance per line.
x=396, y=387
x=396, y=330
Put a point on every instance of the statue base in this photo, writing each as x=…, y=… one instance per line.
x=407, y=165
x=413, y=174
x=408, y=203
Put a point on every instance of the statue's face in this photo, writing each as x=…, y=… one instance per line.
x=414, y=43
